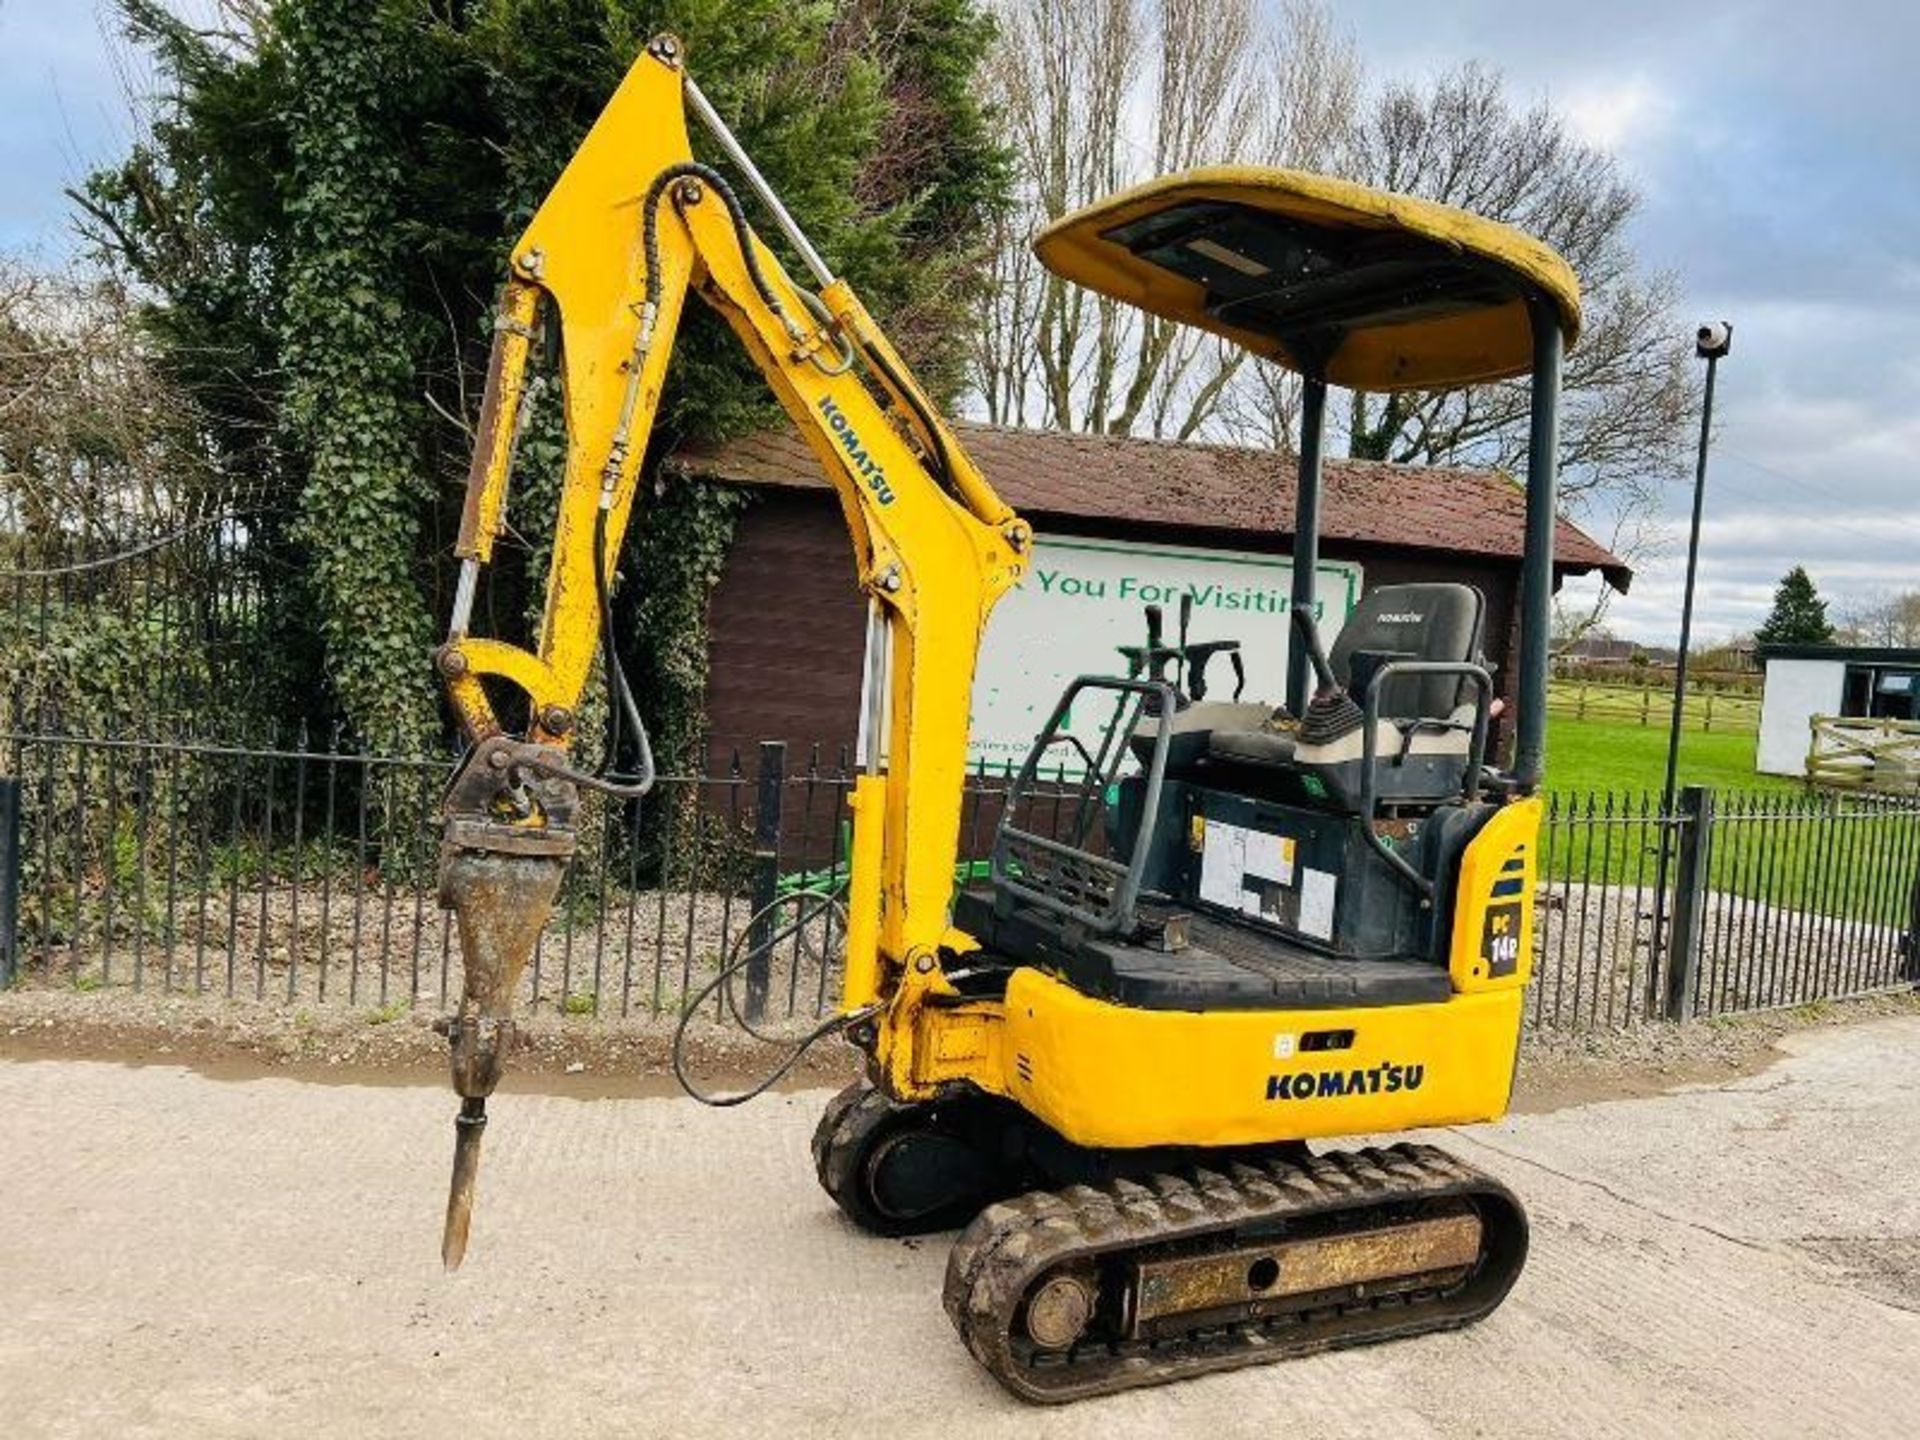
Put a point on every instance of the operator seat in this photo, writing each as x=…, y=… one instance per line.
x=1413, y=622
x=1420, y=714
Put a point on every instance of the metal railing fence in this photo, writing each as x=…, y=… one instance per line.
x=305, y=873
x=166, y=620
x=1775, y=899
x=298, y=873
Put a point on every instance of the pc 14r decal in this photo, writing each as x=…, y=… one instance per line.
x=1500, y=939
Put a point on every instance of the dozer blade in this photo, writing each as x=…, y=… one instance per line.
x=1090, y=1290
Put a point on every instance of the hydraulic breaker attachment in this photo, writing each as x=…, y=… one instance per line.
x=509, y=835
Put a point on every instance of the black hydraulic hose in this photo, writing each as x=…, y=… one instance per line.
x=618, y=690
x=723, y=982
x=650, y=230
x=737, y=216
x=942, y=466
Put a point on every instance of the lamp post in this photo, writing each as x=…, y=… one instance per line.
x=1711, y=342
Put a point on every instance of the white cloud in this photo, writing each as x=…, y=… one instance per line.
x=1617, y=113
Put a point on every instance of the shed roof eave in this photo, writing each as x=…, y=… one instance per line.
x=1072, y=481
x=1618, y=577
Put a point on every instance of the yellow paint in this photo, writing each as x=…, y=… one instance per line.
x=1456, y=349
x=934, y=561
x=1108, y=1075
x=958, y=1042
x=1512, y=836
x=952, y=565
x=500, y=408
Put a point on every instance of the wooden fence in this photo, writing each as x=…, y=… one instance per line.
x=1708, y=710
x=1855, y=753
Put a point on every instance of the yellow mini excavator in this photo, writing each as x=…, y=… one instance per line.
x=1260, y=923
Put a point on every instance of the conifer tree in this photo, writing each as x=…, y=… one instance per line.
x=1799, y=615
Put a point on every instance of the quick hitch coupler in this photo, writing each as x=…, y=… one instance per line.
x=509, y=835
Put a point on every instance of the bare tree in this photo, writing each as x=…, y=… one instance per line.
x=1884, y=619
x=1096, y=94
x=1625, y=427
x=1099, y=94
x=92, y=443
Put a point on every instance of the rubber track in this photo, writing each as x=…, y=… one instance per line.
x=1009, y=1246
x=841, y=1132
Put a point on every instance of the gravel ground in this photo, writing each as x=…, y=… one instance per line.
x=583, y=1056
x=192, y=1257
x=1592, y=943
x=569, y=1054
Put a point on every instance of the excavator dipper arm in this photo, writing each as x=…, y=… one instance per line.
x=633, y=225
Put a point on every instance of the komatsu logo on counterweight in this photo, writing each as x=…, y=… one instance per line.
x=864, y=465
x=1330, y=1084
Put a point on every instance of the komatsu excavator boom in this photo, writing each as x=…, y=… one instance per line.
x=1250, y=924
x=633, y=226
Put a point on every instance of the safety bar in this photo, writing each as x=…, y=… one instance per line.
x=1370, y=754
x=1118, y=914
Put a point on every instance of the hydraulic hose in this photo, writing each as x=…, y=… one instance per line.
x=737, y=216
x=650, y=233
x=618, y=690
x=722, y=981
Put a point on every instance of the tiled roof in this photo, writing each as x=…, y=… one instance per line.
x=1165, y=484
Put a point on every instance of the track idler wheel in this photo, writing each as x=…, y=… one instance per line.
x=909, y=1169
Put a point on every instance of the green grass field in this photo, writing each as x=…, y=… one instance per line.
x=1597, y=756
x=1773, y=840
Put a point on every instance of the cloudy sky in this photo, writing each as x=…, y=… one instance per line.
x=1778, y=145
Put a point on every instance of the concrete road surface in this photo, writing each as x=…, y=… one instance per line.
x=197, y=1257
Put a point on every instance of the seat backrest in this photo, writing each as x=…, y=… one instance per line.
x=1418, y=622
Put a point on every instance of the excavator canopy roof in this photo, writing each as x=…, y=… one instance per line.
x=1372, y=290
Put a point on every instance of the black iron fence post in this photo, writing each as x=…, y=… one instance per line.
x=766, y=873
x=9, y=879
x=1694, y=842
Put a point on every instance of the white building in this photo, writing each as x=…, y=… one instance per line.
x=1803, y=681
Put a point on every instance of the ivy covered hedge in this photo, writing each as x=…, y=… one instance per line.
x=321, y=214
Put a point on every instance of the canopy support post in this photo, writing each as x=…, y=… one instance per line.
x=1536, y=575
x=1306, y=529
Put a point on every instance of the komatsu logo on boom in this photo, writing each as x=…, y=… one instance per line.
x=1329, y=1084
x=864, y=465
